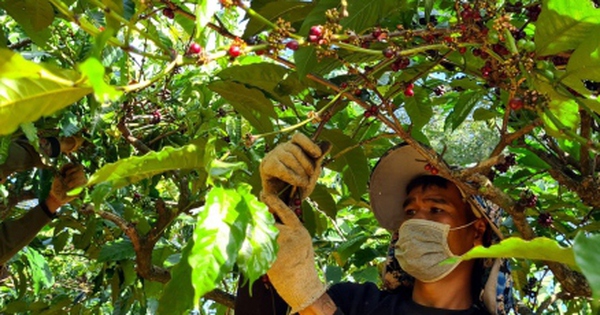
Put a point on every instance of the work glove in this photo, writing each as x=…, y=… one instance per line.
x=296, y=163
x=293, y=273
x=68, y=178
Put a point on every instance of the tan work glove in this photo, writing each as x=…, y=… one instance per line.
x=296, y=162
x=293, y=273
x=69, y=177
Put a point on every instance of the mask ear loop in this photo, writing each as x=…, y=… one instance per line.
x=463, y=226
x=487, y=218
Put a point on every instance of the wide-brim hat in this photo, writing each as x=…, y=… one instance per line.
x=392, y=174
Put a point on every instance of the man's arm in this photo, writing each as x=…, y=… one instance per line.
x=16, y=234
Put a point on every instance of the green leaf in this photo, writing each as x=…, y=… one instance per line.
x=204, y=13
x=539, y=248
x=587, y=255
x=93, y=69
x=117, y=250
x=352, y=164
x=463, y=108
x=26, y=100
x=529, y=159
x=34, y=16
x=258, y=250
x=250, y=103
x=114, y=6
x=41, y=275
x=325, y=201
x=563, y=109
x=130, y=170
x=584, y=63
x=14, y=66
x=264, y=76
x=4, y=145
x=564, y=24
x=348, y=248
x=419, y=112
x=178, y=294
x=484, y=114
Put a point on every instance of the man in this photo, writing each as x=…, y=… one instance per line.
x=16, y=234
x=433, y=219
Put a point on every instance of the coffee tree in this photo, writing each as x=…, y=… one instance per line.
x=178, y=101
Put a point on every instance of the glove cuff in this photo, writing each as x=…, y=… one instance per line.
x=310, y=299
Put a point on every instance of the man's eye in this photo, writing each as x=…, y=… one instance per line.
x=436, y=210
x=409, y=212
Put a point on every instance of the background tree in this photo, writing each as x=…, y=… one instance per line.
x=179, y=100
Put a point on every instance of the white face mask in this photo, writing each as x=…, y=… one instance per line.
x=422, y=245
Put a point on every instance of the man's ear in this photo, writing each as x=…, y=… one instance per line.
x=480, y=227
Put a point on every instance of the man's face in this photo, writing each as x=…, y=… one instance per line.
x=443, y=205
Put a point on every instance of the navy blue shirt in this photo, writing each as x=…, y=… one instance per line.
x=367, y=299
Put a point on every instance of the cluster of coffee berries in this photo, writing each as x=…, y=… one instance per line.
x=533, y=12
x=297, y=206
x=372, y=111
x=439, y=90
x=409, y=90
x=156, y=117
x=400, y=64
x=509, y=161
x=379, y=34
x=528, y=199
x=431, y=169
x=389, y=52
x=545, y=219
x=468, y=13
x=315, y=35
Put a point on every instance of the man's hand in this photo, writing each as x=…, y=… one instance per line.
x=296, y=163
x=69, y=177
x=293, y=273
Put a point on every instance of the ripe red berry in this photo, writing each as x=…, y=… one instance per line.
x=343, y=85
x=389, y=52
x=427, y=167
x=316, y=30
x=168, y=13
x=409, y=92
x=367, y=114
x=313, y=38
x=434, y=171
x=545, y=219
x=297, y=202
x=194, y=48
x=516, y=103
x=462, y=50
x=234, y=51
x=293, y=45
x=376, y=33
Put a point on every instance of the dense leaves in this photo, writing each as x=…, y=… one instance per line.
x=177, y=102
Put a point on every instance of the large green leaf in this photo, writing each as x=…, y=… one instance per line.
x=352, y=164
x=564, y=24
x=34, y=16
x=93, y=69
x=464, y=106
x=205, y=9
x=41, y=275
x=325, y=201
x=217, y=238
x=264, y=76
x=562, y=109
x=26, y=100
x=539, y=248
x=418, y=109
x=250, y=103
x=178, y=294
x=258, y=249
x=14, y=66
x=584, y=63
x=587, y=255
x=118, y=250
x=133, y=169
